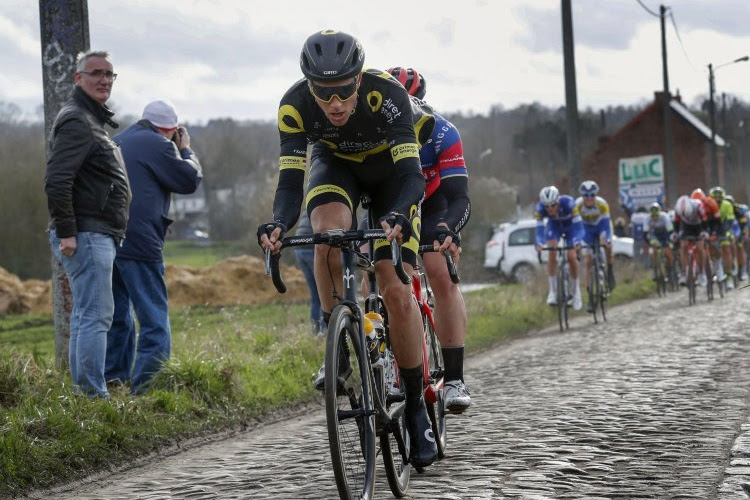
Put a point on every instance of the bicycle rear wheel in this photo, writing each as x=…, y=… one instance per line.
x=350, y=415
x=435, y=399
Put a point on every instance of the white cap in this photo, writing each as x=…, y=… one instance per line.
x=161, y=113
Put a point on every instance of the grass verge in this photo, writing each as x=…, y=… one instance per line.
x=229, y=366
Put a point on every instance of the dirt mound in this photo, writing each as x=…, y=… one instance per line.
x=233, y=281
x=18, y=297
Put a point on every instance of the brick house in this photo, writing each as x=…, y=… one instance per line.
x=644, y=135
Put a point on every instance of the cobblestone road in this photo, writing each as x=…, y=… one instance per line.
x=652, y=404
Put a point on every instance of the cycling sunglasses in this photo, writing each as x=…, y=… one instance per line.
x=343, y=92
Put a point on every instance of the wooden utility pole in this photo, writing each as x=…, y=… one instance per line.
x=64, y=26
x=571, y=96
x=670, y=181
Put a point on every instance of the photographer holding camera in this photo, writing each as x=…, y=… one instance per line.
x=159, y=162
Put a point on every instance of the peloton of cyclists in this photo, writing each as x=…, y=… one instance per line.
x=363, y=133
x=659, y=229
x=597, y=224
x=690, y=223
x=445, y=211
x=559, y=210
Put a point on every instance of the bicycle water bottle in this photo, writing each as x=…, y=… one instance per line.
x=375, y=331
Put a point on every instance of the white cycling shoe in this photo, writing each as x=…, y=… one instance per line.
x=457, y=396
x=552, y=298
x=702, y=280
x=577, y=301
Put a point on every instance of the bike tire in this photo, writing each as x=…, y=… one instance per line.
x=691, y=280
x=436, y=372
x=593, y=290
x=350, y=415
x=394, y=441
x=603, y=294
x=562, y=300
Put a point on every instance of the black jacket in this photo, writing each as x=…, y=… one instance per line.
x=86, y=183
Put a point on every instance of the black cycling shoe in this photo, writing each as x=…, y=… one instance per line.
x=611, y=278
x=423, y=449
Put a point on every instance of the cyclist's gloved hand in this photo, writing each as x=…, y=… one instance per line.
x=674, y=237
x=268, y=228
x=394, y=218
x=442, y=232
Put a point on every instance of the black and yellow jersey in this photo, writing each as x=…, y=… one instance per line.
x=385, y=126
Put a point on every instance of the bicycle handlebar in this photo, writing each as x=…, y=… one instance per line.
x=334, y=237
x=556, y=249
x=452, y=270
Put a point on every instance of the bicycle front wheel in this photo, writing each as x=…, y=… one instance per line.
x=435, y=400
x=394, y=439
x=349, y=407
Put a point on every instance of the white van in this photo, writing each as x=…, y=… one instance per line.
x=511, y=250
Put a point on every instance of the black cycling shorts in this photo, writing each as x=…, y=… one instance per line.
x=334, y=179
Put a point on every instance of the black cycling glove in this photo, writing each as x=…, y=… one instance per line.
x=268, y=227
x=442, y=232
x=394, y=218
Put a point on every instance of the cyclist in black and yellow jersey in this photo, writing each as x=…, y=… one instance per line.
x=363, y=133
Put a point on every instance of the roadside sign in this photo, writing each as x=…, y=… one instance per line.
x=641, y=181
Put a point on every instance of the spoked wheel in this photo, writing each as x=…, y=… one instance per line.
x=349, y=408
x=603, y=291
x=593, y=293
x=394, y=439
x=434, y=398
x=691, y=282
x=562, y=301
x=709, y=282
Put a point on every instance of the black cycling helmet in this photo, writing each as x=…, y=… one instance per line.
x=331, y=55
x=411, y=80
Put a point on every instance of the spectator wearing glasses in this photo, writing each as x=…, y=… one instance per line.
x=159, y=162
x=363, y=131
x=597, y=224
x=88, y=197
x=562, y=220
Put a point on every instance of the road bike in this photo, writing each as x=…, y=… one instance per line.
x=691, y=272
x=563, y=281
x=598, y=285
x=665, y=276
x=363, y=399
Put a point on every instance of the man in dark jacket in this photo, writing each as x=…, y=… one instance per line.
x=159, y=162
x=88, y=198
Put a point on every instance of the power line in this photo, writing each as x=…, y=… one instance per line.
x=679, y=38
x=647, y=9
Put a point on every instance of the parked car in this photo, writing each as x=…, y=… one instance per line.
x=510, y=251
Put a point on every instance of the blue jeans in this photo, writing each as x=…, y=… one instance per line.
x=89, y=272
x=305, y=257
x=142, y=285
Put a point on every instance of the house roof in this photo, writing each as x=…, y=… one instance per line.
x=695, y=122
x=678, y=108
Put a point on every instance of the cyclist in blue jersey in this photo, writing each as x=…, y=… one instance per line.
x=362, y=129
x=597, y=224
x=562, y=219
x=445, y=211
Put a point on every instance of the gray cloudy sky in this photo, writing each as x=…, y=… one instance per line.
x=235, y=58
